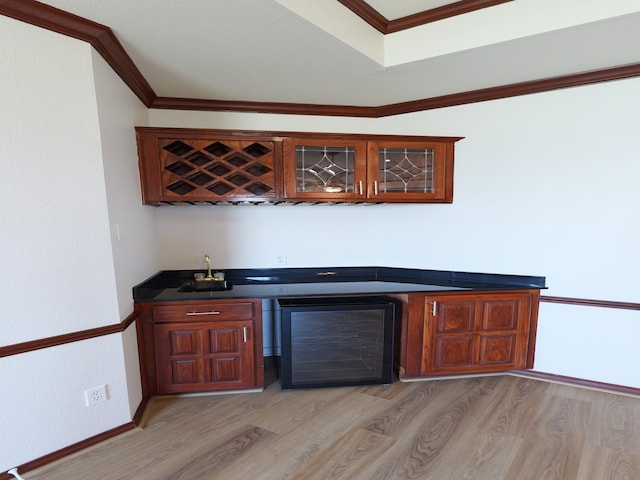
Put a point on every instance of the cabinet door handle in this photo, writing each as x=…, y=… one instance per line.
x=434, y=308
x=375, y=187
x=192, y=314
x=360, y=187
x=244, y=334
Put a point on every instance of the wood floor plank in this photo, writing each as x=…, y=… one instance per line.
x=487, y=448
x=552, y=447
x=209, y=462
x=608, y=464
x=492, y=428
x=404, y=407
x=296, y=448
x=617, y=423
x=513, y=407
x=347, y=457
x=299, y=407
x=420, y=445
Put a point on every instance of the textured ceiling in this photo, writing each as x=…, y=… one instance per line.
x=263, y=51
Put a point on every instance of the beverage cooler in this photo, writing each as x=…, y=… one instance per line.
x=328, y=342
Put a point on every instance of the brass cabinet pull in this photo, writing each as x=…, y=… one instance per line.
x=213, y=312
x=360, y=186
x=434, y=308
x=244, y=334
x=375, y=187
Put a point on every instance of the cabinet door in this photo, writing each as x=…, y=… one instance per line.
x=409, y=171
x=324, y=170
x=453, y=333
x=503, y=331
x=196, y=169
x=474, y=333
x=204, y=356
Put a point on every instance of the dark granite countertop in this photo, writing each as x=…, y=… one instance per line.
x=169, y=285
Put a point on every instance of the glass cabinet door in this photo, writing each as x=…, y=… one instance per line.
x=324, y=169
x=410, y=171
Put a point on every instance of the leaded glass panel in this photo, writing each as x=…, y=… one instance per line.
x=325, y=169
x=406, y=170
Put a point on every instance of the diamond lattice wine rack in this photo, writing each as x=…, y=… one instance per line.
x=216, y=170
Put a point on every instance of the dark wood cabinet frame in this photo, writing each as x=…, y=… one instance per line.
x=256, y=166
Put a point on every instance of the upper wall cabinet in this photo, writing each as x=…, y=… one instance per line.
x=368, y=171
x=194, y=167
x=223, y=166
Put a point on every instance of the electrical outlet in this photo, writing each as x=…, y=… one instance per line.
x=281, y=259
x=95, y=395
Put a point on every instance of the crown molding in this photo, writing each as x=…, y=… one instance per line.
x=105, y=42
x=512, y=90
x=365, y=11
x=173, y=103
x=440, y=13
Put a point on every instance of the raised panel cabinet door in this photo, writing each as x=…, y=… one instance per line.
x=410, y=171
x=230, y=359
x=325, y=169
x=179, y=356
x=449, y=333
x=475, y=332
x=503, y=331
x=205, y=356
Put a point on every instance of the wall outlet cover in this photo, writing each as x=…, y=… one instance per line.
x=95, y=395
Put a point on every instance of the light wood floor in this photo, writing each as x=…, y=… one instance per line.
x=488, y=428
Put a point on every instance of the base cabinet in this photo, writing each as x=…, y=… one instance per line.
x=449, y=334
x=203, y=346
x=204, y=356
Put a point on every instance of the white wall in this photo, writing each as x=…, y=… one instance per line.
x=132, y=225
x=68, y=158
x=43, y=407
x=545, y=185
x=588, y=342
x=53, y=199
